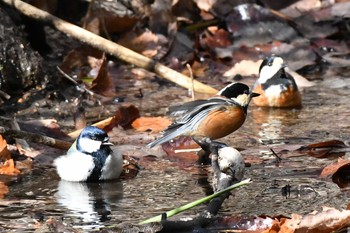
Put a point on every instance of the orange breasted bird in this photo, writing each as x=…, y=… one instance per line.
x=276, y=87
x=211, y=118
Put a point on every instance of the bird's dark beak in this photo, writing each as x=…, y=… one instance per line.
x=253, y=94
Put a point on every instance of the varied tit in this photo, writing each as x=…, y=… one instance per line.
x=90, y=158
x=276, y=87
x=212, y=118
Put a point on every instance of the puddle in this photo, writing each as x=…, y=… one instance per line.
x=325, y=116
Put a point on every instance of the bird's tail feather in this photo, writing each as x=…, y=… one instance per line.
x=167, y=137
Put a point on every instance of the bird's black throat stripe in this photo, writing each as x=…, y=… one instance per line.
x=99, y=158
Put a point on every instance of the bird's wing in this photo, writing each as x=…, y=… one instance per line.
x=182, y=109
x=194, y=109
x=189, y=121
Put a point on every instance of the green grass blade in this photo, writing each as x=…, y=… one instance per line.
x=195, y=203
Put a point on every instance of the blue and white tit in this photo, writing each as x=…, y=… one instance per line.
x=90, y=158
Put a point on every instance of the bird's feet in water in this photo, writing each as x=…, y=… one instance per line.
x=208, y=146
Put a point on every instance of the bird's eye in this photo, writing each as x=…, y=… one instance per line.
x=94, y=138
x=269, y=64
x=246, y=92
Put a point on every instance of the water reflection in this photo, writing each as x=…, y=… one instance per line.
x=273, y=122
x=89, y=202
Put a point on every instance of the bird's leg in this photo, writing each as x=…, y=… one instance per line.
x=203, y=155
x=208, y=146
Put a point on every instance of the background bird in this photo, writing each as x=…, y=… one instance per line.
x=276, y=87
x=90, y=158
x=212, y=118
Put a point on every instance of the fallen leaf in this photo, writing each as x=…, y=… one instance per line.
x=326, y=144
x=214, y=37
x=123, y=117
x=154, y=124
x=339, y=172
x=4, y=152
x=8, y=168
x=144, y=42
x=328, y=220
x=326, y=149
x=103, y=84
x=3, y=190
x=81, y=61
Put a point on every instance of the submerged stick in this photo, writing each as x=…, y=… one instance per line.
x=110, y=47
x=178, y=210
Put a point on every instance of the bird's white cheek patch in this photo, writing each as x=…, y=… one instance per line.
x=242, y=99
x=89, y=145
x=268, y=72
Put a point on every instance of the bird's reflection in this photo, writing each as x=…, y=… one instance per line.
x=90, y=202
x=273, y=121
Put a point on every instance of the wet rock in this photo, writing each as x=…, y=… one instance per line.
x=20, y=66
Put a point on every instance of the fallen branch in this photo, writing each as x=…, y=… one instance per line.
x=37, y=138
x=110, y=47
x=100, y=124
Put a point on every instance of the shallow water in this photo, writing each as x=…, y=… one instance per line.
x=91, y=206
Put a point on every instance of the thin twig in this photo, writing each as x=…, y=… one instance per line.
x=74, y=81
x=279, y=159
x=191, y=76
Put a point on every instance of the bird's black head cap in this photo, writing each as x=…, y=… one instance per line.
x=268, y=61
x=94, y=133
x=233, y=90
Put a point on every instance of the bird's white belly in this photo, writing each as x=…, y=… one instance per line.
x=112, y=167
x=75, y=166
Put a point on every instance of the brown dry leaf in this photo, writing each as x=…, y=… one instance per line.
x=103, y=84
x=8, y=168
x=216, y=38
x=147, y=43
x=123, y=117
x=81, y=60
x=326, y=144
x=3, y=190
x=338, y=172
x=324, y=149
x=154, y=124
x=4, y=152
x=328, y=220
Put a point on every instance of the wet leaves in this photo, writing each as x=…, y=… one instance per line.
x=4, y=152
x=328, y=220
x=339, y=172
x=3, y=190
x=102, y=84
x=324, y=149
x=153, y=124
x=7, y=167
x=123, y=117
